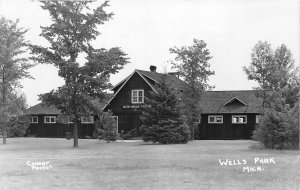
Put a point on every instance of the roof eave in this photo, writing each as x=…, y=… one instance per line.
x=127, y=79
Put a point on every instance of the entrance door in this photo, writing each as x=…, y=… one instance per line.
x=134, y=122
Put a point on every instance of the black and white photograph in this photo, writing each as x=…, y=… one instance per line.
x=149, y=94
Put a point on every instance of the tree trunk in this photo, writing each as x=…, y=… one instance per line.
x=75, y=134
x=4, y=134
x=4, y=105
x=193, y=133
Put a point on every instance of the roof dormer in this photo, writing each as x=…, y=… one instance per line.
x=234, y=100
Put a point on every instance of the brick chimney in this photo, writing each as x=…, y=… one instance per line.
x=153, y=68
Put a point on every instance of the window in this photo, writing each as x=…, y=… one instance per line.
x=70, y=120
x=257, y=118
x=238, y=119
x=34, y=119
x=86, y=120
x=137, y=96
x=215, y=119
x=50, y=119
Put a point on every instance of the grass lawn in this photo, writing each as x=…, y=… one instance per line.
x=136, y=165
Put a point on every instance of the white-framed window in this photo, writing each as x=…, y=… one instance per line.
x=215, y=119
x=87, y=120
x=34, y=119
x=137, y=96
x=50, y=119
x=239, y=119
x=257, y=118
x=70, y=120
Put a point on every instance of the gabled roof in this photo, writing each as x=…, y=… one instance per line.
x=223, y=102
x=234, y=99
x=150, y=78
x=42, y=109
x=172, y=80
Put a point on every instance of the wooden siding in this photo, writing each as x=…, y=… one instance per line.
x=42, y=129
x=128, y=118
x=226, y=130
x=124, y=96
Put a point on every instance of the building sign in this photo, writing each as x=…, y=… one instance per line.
x=136, y=106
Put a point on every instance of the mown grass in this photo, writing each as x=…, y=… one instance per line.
x=100, y=165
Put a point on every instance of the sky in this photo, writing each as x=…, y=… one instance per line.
x=145, y=30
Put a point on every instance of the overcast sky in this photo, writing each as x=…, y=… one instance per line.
x=146, y=29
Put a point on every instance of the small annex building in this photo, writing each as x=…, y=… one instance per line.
x=229, y=114
x=47, y=121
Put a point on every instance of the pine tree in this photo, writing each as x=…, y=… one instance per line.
x=162, y=122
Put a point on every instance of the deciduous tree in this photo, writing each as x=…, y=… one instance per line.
x=278, y=81
x=73, y=29
x=192, y=63
x=13, y=67
x=261, y=67
x=274, y=72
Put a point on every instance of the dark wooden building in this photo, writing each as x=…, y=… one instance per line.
x=224, y=115
x=47, y=121
x=229, y=114
x=129, y=96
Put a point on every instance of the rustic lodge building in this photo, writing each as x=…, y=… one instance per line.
x=224, y=114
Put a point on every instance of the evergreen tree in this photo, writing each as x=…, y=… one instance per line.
x=162, y=122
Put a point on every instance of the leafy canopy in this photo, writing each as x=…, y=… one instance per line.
x=73, y=28
x=13, y=67
x=192, y=63
x=13, y=64
x=274, y=72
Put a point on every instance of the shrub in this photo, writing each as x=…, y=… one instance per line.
x=167, y=132
x=129, y=134
x=277, y=130
x=17, y=126
x=106, y=128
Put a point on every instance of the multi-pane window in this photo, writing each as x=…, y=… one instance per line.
x=50, y=119
x=89, y=119
x=34, y=119
x=239, y=119
x=137, y=96
x=215, y=119
x=70, y=120
x=257, y=118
